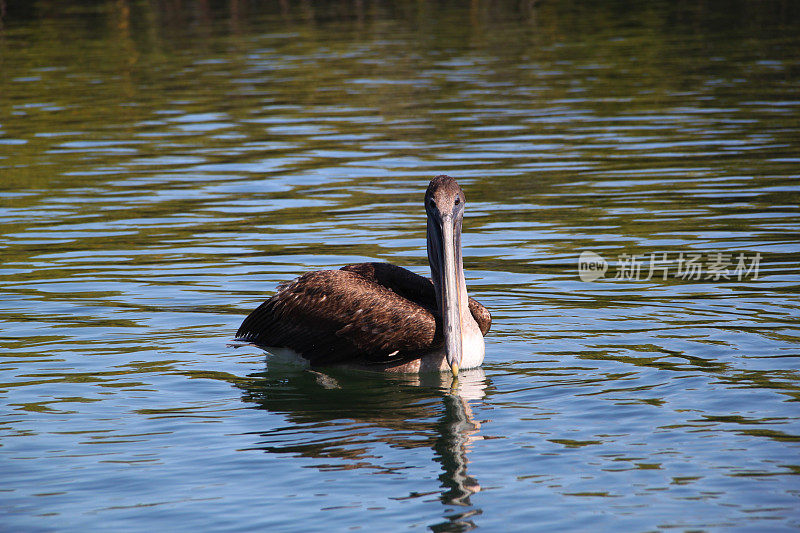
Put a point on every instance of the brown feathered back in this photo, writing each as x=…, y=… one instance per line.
x=366, y=313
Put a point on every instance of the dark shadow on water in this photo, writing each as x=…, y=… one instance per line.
x=351, y=419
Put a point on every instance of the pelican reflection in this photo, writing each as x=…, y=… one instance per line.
x=342, y=417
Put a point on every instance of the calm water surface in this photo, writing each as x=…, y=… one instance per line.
x=164, y=166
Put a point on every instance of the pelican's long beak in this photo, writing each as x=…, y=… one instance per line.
x=450, y=301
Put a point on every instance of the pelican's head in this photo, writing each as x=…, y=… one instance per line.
x=444, y=204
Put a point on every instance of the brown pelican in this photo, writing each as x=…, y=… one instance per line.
x=379, y=315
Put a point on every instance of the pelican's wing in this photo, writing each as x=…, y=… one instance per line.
x=481, y=315
x=399, y=280
x=338, y=316
x=415, y=288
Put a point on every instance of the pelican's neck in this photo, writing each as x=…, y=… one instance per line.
x=463, y=299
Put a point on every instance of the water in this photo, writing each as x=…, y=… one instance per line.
x=163, y=168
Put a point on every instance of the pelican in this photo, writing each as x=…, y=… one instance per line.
x=382, y=316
